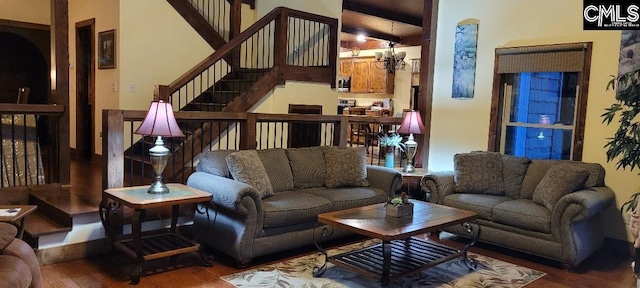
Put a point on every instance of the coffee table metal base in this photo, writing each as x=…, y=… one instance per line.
x=391, y=260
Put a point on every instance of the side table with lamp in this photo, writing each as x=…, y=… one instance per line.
x=412, y=124
x=159, y=122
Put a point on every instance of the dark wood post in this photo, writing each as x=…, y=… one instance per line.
x=425, y=90
x=280, y=43
x=113, y=162
x=248, y=132
x=333, y=52
x=60, y=83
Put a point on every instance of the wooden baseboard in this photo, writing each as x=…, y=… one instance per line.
x=73, y=251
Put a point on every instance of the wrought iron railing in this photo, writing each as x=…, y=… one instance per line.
x=232, y=131
x=30, y=144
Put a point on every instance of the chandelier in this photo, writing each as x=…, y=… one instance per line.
x=390, y=60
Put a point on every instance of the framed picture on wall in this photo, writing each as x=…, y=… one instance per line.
x=107, y=49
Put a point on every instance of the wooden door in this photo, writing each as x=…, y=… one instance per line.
x=346, y=67
x=360, y=76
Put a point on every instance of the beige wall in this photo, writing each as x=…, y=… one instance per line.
x=31, y=11
x=402, y=83
x=462, y=125
x=105, y=13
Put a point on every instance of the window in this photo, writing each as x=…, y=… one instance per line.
x=538, y=108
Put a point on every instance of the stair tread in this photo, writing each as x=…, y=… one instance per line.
x=66, y=201
x=36, y=224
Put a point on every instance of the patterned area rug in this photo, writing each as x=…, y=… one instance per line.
x=298, y=273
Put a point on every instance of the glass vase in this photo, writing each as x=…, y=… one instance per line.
x=389, y=157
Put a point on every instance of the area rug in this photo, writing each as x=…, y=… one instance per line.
x=298, y=273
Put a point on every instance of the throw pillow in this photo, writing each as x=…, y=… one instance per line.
x=346, y=166
x=245, y=166
x=307, y=166
x=478, y=173
x=514, y=169
x=214, y=162
x=276, y=164
x=560, y=180
x=535, y=172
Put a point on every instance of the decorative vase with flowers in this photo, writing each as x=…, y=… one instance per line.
x=390, y=142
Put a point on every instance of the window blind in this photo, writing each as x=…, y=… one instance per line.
x=568, y=57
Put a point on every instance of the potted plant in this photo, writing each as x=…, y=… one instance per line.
x=624, y=144
x=391, y=142
x=400, y=206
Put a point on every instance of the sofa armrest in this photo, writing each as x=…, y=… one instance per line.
x=439, y=184
x=580, y=205
x=386, y=179
x=227, y=193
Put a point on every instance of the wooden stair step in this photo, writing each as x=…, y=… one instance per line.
x=37, y=224
x=65, y=201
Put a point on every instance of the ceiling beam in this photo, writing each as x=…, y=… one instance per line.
x=381, y=13
x=372, y=34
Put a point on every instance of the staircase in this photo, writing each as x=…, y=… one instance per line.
x=284, y=45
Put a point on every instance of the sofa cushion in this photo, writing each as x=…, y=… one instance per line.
x=478, y=172
x=8, y=232
x=345, y=198
x=536, y=170
x=514, y=169
x=293, y=207
x=276, y=164
x=481, y=204
x=308, y=167
x=524, y=214
x=215, y=162
x=560, y=180
x=346, y=166
x=245, y=166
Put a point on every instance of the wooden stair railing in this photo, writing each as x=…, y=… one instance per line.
x=284, y=45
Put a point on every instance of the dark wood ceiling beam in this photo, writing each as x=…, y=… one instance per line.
x=381, y=13
x=372, y=34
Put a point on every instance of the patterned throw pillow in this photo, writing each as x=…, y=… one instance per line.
x=346, y=166
x=245, y=166
x=478, y=173
x=560, y=180
x=307, y=166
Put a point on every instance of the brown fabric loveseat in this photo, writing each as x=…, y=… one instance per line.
x=548, y=208
x=266, y=201
x=18, y=264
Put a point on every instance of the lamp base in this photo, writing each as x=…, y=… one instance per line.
x=409, y=168
x=158, y=187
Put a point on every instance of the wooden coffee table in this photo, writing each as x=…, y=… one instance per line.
x=399, y=253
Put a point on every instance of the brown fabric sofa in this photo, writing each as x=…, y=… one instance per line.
x=548, y=208
x=18, y=264
x=270, y=200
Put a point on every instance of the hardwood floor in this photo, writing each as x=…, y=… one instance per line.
x=604, y=269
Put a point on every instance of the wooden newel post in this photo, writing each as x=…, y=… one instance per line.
x=161, y=92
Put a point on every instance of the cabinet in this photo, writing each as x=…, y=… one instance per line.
x=365, y=76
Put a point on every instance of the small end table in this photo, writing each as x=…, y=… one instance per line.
x=152, y=245
x=19, y=217
x=411, y=181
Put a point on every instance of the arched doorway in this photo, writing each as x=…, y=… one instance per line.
x=22, y=65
